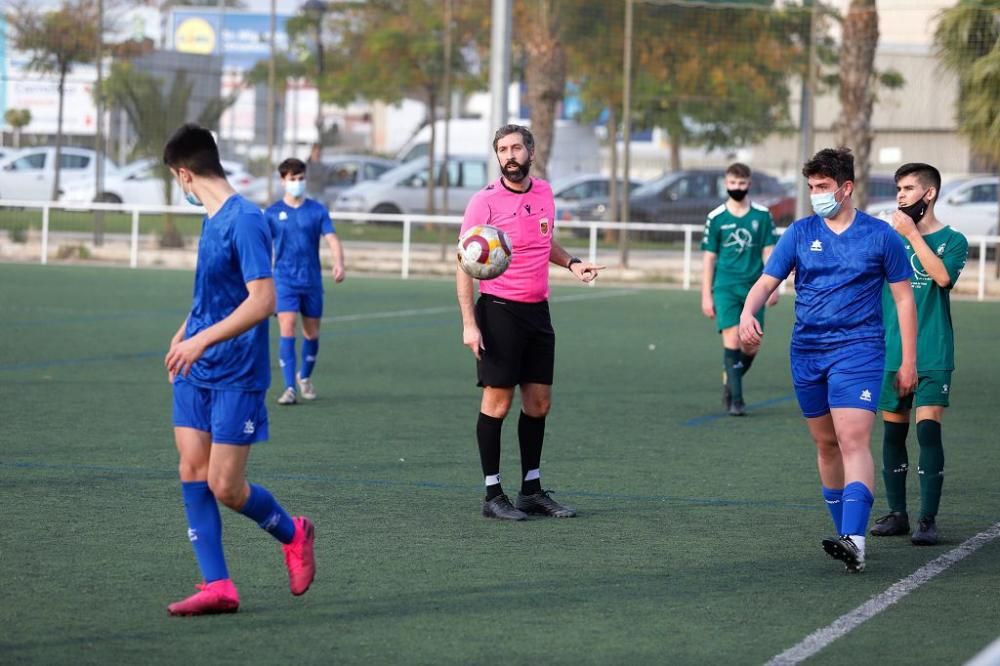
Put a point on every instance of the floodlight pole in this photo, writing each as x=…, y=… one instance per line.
x=270, y=104
x=626, y=130
x=807, y=113
x=499, y=72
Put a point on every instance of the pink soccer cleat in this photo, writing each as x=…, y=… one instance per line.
x=219, y=596
x=299, y=557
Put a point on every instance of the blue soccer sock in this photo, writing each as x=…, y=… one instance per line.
x=309, y=350
x=205, y=530
x=286, y=358
x=833, y=497
x=262, y=508
x=858, y=502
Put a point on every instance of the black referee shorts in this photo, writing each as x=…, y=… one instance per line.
x=520, y=345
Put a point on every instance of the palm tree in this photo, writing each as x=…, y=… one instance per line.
x=968, y=43
x=154, y=112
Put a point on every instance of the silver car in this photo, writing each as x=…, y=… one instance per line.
x=404, y=189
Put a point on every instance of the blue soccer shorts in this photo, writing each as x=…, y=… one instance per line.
x=850, y=376
x=232, y=417
x=307, y=302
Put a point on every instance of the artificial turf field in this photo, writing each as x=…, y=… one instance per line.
x=697, y=540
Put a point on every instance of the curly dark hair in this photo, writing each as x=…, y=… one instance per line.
x=836, y=163
x=529, y=139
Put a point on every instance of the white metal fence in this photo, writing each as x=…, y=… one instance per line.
x=407, y=221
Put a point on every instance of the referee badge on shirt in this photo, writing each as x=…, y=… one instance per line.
x=543, y=226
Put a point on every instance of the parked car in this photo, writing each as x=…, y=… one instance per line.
x=342, y=173
x=28, y=174
x=404, y=189
x=138, y=183
x=686, y=197
x=584, y=195
x=968, y=205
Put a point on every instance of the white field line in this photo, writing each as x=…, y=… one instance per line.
x=990, y=656
x=418, y=312
x=819, y=639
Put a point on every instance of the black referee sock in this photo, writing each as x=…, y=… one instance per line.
x=530, y=435
x=488, y=436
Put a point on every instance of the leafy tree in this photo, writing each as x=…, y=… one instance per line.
x=155, y=111
x=57, y=40
x=389, y=50
x=18, y=119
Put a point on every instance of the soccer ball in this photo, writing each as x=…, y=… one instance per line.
x=484, y=252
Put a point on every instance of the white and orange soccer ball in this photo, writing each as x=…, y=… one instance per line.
x=484, y=252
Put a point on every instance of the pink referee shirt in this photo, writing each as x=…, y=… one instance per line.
x=528, y=218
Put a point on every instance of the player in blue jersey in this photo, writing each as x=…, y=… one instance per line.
x=841, y=258
x=297, y=224
x=219, y=366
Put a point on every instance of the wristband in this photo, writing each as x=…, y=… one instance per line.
x=573, y=260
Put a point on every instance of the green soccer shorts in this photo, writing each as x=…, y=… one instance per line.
x=728, y=301
x=933, y=388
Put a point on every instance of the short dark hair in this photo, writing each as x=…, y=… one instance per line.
x=193, y=147
x=291, y=167
x=529, y=139
x=738, y=169
x=836, y=163
x=926, y=175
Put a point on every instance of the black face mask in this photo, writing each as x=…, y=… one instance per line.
x=516, y=176
x=737, y=195
x=916, y=210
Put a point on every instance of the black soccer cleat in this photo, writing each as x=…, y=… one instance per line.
x=737, y=408
x=845, y=550
x=892, y=524
x=926, y=534
x=500, y=507
x=541, y=504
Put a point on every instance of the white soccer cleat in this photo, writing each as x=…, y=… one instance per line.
x=306, y=389
x=288, y=397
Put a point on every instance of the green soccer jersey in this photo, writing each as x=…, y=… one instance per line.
x=738, y=243
x=935, y=337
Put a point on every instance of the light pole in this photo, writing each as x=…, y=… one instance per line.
x=315, y=10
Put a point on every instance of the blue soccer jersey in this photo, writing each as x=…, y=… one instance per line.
x=297, y=232
x=235, y=248
x=838, y=279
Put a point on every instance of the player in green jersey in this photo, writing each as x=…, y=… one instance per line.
x=739, y=237
x=937, y=253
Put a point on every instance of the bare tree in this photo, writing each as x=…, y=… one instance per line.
x=545, y=74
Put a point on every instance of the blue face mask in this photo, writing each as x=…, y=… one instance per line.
x=191, y=198
x=826, y=204
x=295, y=188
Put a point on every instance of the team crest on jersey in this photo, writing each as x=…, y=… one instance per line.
x=543, y=226
x=282, y=215
x=940, y=250
x=754, y=225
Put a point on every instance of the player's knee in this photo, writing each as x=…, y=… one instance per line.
x=192, y=470
x=227, y=491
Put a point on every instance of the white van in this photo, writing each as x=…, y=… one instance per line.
x=29, y=173
x=575, y=149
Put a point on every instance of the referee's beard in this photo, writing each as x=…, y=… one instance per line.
x=515, y=175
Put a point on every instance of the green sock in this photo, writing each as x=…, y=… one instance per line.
x=895, y=463
x=930, y=467
x=747, y=360
x=734, y=372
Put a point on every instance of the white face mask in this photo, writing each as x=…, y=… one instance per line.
x=295, y=188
